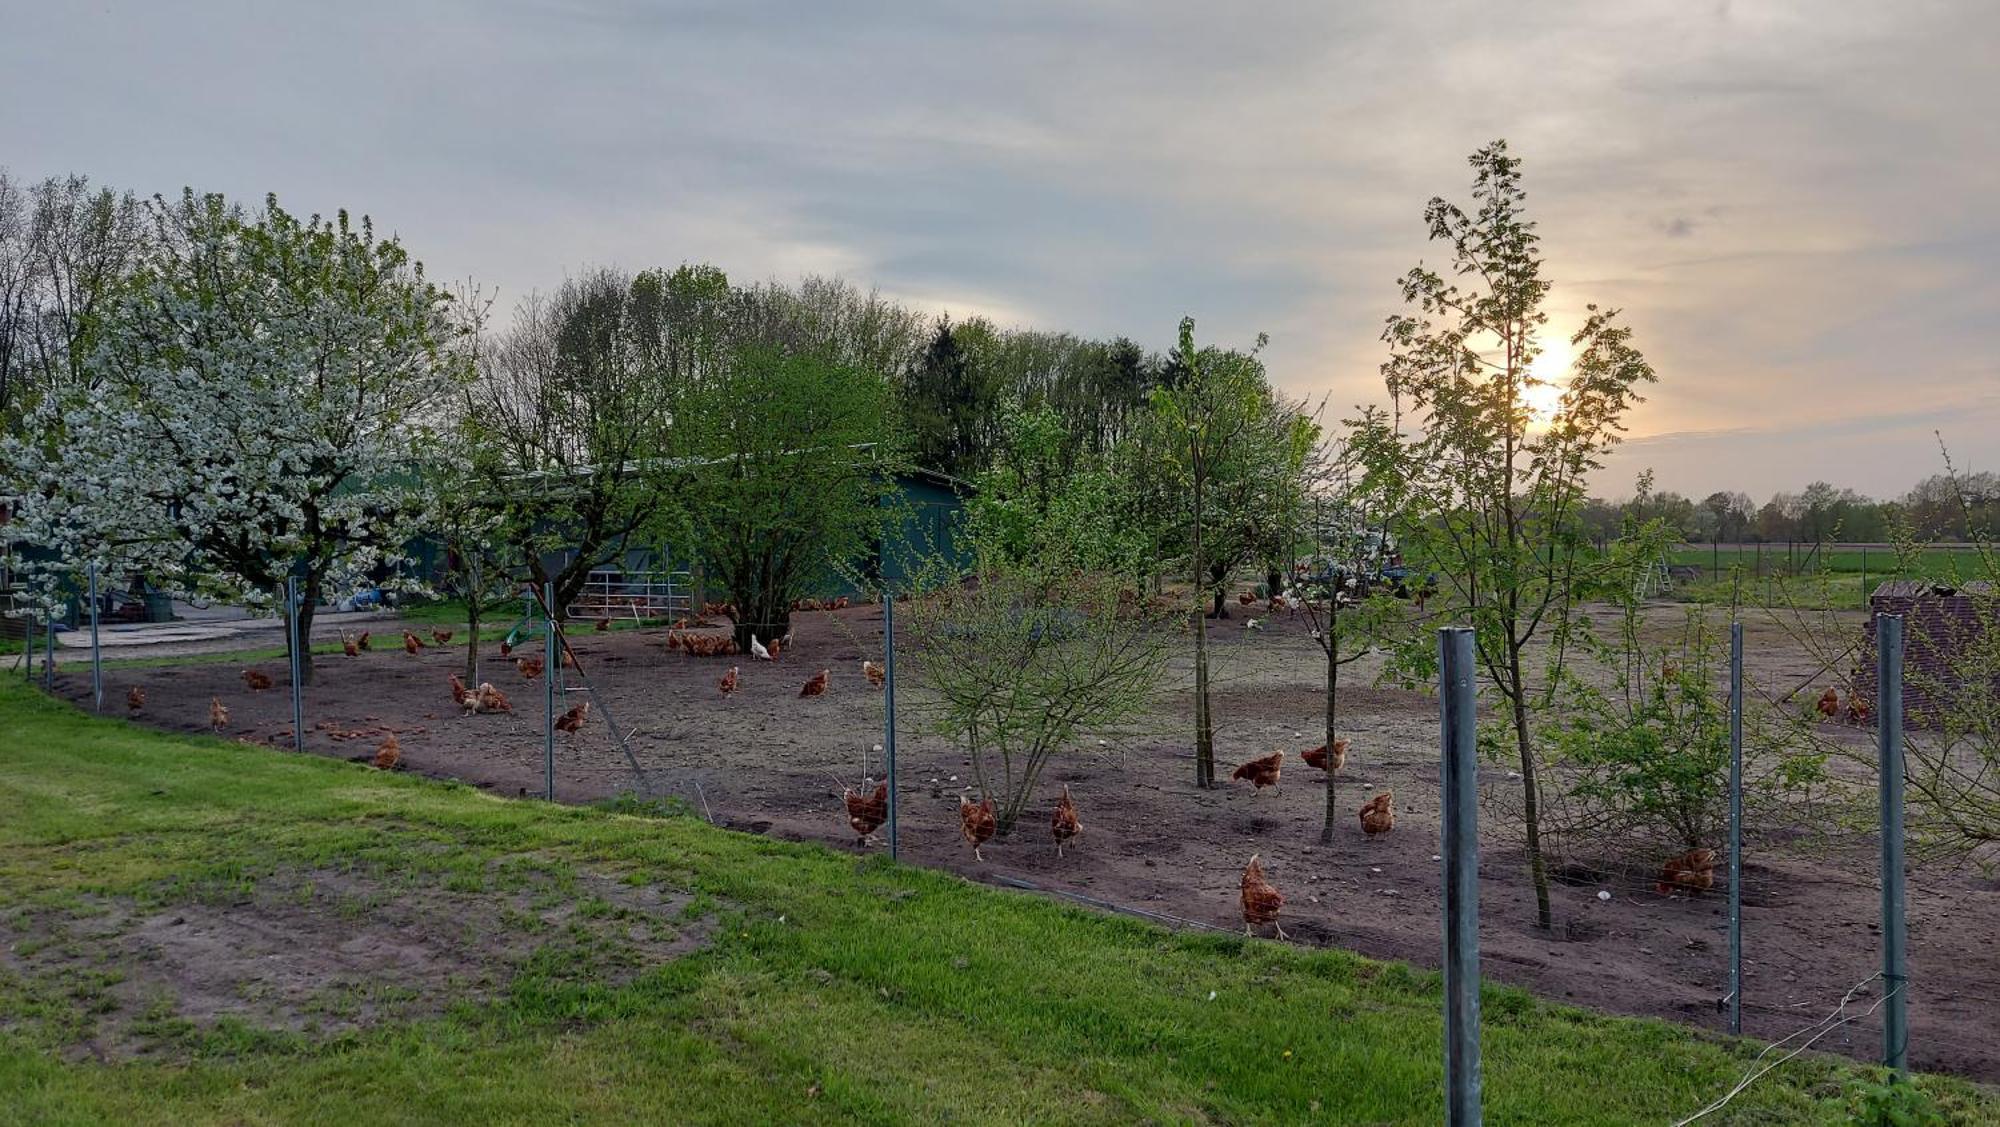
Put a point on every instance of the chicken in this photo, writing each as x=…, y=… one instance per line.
x=1261, y=772
x=1857, y=709
x=1277, y=604
x=258, y=682
x=458, y=692
x=389, y=754
x=218, y=716
x=976, y=824
x=817, y=684
x=135, y=699
x=1261, y=899
x=1065, y=824
x=349, y=646
x=1317, y=757
x=758, y=651
x=361, y=643
x=506, y=648
x=873, y=672
x=1829, y=703
x=1378, y=814
x=777, y=646
x=573, y=719
x=486, y=698
x=729, y=680
x=1246, y=599
x=441, y=637
x=530, y=667
x=866, y=815
x=411, y=643
x=601, y=625
x=1691, y=873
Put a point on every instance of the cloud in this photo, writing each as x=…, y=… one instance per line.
x=1791, y=202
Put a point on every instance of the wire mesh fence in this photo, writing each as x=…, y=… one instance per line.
x=792, y=743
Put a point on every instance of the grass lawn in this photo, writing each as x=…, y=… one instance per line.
x=808, y=985
x=1839, y=578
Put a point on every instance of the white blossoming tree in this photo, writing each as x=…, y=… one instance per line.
x=261, y=388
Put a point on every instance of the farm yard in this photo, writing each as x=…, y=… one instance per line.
x=766, y=761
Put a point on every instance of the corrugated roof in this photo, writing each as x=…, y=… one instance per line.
x=1922, y=588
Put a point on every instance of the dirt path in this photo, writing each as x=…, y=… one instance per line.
x=769, y=762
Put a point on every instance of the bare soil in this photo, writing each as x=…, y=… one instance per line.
x=767, y=761
x=321, y=953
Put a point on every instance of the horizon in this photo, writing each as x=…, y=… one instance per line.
x=1789, y=203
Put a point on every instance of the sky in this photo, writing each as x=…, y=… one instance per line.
x=1794, y=204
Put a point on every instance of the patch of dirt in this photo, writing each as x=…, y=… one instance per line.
x=323, y=953
x=767, y=761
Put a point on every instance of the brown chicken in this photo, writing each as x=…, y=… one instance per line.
x=866, y=815
x=506, y=648
x=1857, y=709
x=1378, y=814
x=1246, y=599
x=976, y=824
x=601, y=625
x=411, y=643
x=774, y=649
x=1261, y=772
x=1691, y=873
x=1829, y=703
x=573, y=719
x=530, y=667
x=1261, y=899
x=817, y=684
x=458, y=692
x=486, y=698
x=361, y=643
x=441, y=637
x=1317, y=757
x=729, y=679
x=1065, y=824
x=389, y=754
x=349, y=647
x=218, y=715
x=258, y=682
x=874, y=673
x=135, y=699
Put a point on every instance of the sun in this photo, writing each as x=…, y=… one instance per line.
x=1551, y=371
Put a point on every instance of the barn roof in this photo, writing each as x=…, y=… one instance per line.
x=1929, y=588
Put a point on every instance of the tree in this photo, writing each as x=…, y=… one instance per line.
x=570, y=415
x=789, y=462
x=1018, y=670
x=1496, y=490
x=1351, y=611
x=1234, y=457
x=1044, y=511
x=256, y=397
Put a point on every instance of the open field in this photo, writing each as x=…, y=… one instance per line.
x=1838, y=575
x=203, y=932
x=769, y=762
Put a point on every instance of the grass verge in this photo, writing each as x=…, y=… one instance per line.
x=829, y=988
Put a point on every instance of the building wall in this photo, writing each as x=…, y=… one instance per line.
x=1937, y=630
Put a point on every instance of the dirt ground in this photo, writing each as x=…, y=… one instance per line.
x=767, y=761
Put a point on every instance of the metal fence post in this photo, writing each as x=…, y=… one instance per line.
x=28, y=648
x=1736, y=827
x=96, y=656
x=298, y=662
x=1460, y=792
x=49, y=654
x=889, y=708
x=1889, y=742
x=551, y=669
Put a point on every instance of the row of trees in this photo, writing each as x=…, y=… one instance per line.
x=1942, y=507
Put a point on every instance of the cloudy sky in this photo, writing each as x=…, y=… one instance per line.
x=1797, y=204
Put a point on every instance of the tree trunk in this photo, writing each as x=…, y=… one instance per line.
x=308, y=607
x=1274, y=582
x=1531, y=807
x=472, y=608
x=1204, y=730
x=1218, y=608
x=1332, y=689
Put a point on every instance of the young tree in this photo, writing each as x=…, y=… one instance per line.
x=1494, y=483
x=788, y=474
x=1018, y=669
x=1351, y=611
x=1234, y=456
x=256, y=397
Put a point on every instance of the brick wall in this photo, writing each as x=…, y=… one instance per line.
x=1939, y=626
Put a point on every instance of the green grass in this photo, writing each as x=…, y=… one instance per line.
x=833, y=989
x=1834, y=577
